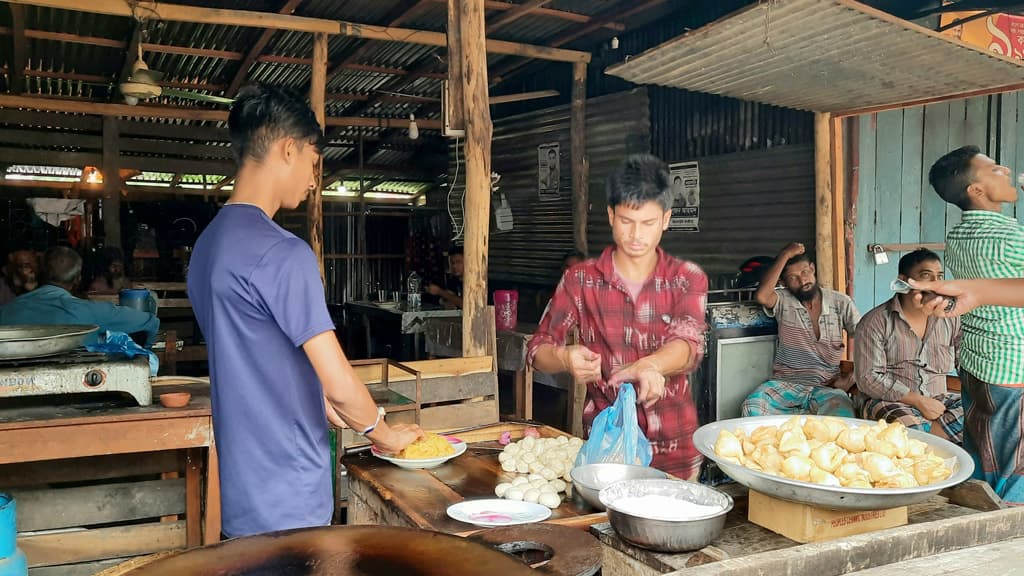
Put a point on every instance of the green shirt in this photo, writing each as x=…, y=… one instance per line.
x=989, y=245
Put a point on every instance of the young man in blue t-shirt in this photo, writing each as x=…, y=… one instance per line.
x=277, y=372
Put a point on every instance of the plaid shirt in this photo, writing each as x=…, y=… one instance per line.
x=989, y=245
x=593, y=298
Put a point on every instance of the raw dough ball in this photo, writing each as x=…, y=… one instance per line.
x=531, y=495
x=550, y=499
x=522, y=467
x=514, y=493
x=559, y=484
x=548, y=488
x=503, y=457
x=508, y=466
x=548, y=474
x=533, y=477
x=500, y=489
x=519, y=480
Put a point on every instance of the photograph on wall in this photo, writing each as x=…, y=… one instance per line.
x=548, y=171
x=685, y=179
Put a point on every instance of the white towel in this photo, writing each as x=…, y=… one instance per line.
x=53, y=211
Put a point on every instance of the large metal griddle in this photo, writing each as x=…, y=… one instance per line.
x=23, y=342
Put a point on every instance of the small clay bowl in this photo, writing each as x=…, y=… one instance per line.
x=175, y=399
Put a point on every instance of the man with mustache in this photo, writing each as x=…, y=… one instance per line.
x=805, y=376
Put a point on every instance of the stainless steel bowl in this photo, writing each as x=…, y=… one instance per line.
x=666, y=535
x=589, y=480
x=829, y=497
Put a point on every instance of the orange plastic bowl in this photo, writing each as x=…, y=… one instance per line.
x=175, y=399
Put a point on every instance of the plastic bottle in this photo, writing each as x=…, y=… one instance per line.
x=12, y=559
x=413, y=286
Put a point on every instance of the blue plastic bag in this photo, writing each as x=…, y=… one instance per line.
x=616, y=435
x=121, y=343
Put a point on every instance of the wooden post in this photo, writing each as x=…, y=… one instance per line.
x=838, y=160
x=477, y=327
x=823, y=196
x=455, y=103
x=580, y=167
x=315, y=203
x=111, y=183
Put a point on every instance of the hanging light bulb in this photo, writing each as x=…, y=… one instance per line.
x=414, y=130
x=131, y=100
x=615, y=43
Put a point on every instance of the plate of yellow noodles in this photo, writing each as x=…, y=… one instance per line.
x=428, y=452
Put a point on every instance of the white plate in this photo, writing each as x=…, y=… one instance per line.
x=497, y=512
x=422, y=463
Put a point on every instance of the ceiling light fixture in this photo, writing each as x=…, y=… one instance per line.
x=414, y=130
x=615, y=43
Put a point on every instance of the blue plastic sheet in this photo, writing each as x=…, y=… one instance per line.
x=121, y=343
x=616, y=435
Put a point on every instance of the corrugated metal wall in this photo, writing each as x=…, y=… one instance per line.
x=894, y=202
x=617, y=125
x=752, y=203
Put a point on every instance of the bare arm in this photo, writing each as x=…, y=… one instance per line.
x=969, y=294
x=348, y=397
x=445, y=294
x=765, y=294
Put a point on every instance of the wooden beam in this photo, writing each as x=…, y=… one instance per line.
x=580, y=167
x=246, y=18
x=477, y=325
x=933, y=100
x=534, y=95
x=189, y=51
x=52, y=120
x=595, y=23
x=825, y=255
x=195, y=114
x=19, y=49
x=398, y=15
x=111, y=184
x=456, y=104
x=503, y=6
x=256, y=49
x=314, y=204
x=515, y=13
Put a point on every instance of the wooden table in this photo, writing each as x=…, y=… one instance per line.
x=936, y=527
x=382, y=493
x=42, y=433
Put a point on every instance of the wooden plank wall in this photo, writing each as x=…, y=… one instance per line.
x=895, y=204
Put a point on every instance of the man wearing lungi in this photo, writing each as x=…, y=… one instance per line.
x=903, y=356
x=988, y=244
x=805, y=375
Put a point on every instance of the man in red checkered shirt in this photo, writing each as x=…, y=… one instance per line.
x=640, y=318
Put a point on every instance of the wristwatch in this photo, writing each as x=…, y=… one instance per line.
x=372, y=427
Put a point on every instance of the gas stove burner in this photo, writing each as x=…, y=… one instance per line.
x=77, y=372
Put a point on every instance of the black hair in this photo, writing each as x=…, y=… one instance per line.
x=456, y=251
x=642, y=178
x=262, y=115
x=62, y=265
x=914, y=258
x=951, y=175
x=805, y=257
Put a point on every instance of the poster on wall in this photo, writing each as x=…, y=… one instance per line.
x=999, y=33
x=685, y=178
x=547, y=171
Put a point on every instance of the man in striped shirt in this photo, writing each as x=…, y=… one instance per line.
x=988, y=244
x=903, y=356
x=805, y=376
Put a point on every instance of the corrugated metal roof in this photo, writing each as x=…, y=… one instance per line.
x=820, y=55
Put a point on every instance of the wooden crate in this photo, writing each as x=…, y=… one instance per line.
x=82, y=515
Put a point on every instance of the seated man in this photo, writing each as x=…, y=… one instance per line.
x=111, y=278
x=805, y=376
x=19, y=275
x=903, y=357
x=451, y=296
x=53, y=303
